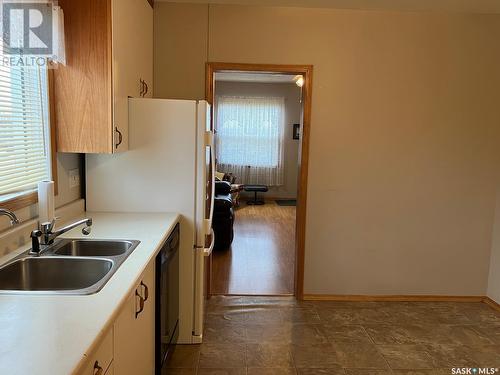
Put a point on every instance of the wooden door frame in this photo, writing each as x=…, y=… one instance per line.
x=307, y=72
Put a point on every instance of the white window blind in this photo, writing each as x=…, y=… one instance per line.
x=250, y=135
x=24, y=128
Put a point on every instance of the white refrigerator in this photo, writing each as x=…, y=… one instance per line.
x=169, y=168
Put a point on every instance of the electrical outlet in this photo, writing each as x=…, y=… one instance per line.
x=74, y=178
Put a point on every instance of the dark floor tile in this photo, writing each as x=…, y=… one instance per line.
x=184, y=356
x=222, y=356
x=407, y=356
x=271, y=371
x=264, y=316
x=346, y=333
x=178, y=371
x=446, y=371
x=234, y=315
x=359, y=355
x=357, y=316
x=485, y=356
x=488, y=315
x=221, y=371
x=285, y=333
x=299, y=315
x=314, y=356
x=448, y=356
x=405, y=334
x=321, y=371
x=367, y=372
x=224, y=332
x=469, y=335
x=268, y=355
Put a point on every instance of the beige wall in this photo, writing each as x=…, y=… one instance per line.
x=405, y=139
x=65, y=163
x=291, y=93
x=494, y=280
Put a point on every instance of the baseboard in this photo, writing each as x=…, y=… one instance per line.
x=248, y=295
x=493, y=304
x=392, y=298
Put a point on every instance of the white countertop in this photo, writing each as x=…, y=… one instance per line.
x=50, y=334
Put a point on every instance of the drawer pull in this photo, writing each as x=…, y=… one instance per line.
x=146, y=291
x=141, y=304
x=98, y=369
x=120, y=137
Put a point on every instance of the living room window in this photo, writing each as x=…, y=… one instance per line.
x=250, y=135
x=25, y=151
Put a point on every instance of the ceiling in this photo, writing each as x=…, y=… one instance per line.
x=461, y=6
x=254, y=77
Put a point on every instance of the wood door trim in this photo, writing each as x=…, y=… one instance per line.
x=307, y=72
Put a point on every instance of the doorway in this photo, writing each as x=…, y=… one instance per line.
x=271, y=260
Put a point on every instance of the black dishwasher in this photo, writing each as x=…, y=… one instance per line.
x=167, y=298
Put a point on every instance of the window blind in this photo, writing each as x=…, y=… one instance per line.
x=24, y=128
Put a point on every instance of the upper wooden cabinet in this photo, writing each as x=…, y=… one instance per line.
x=109, y=57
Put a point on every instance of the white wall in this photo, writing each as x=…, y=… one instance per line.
x=494, y=279
x=405, y=135
x=291, y=93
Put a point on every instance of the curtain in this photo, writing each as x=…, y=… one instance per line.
x=250, y=135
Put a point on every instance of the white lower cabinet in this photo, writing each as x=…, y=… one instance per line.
x=129, y=347
x=134, y=339
x=101, y=358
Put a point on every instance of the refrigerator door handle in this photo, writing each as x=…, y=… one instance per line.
x=208, y=250
x=210, y=139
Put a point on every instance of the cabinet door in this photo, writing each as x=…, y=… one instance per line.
x=134, y=337
x=99, y=361
x=132, y=30
x=83, y=87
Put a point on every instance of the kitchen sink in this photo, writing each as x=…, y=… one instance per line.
x=69, y=266
x=51, y=273
x=93, y=248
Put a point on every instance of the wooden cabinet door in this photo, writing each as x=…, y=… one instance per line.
x=132, y=30
x=134, y=338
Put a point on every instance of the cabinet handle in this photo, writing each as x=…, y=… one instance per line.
x=120, y=137
x=98, y=369
x=146, y=89
x=141, y=94
x=141, y=304
x=146, y=291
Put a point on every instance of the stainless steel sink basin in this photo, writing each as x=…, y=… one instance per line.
x=69, y=266
x=51, y=273
x=93, y=248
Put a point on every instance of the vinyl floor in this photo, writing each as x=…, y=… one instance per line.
x=280, y=336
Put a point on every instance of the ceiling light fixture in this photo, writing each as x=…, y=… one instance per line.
x=299, y=80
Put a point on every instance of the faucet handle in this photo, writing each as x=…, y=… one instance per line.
x=48, y=226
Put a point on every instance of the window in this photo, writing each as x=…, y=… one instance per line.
x=250, y=133
x=25, y=152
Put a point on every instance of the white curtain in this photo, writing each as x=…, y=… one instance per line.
x=249, y=142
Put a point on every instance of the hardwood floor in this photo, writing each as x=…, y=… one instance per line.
x=261, y=260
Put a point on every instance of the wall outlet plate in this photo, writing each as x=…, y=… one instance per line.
x=74, y=178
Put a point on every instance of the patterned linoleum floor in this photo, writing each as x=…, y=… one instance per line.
x=279, y=336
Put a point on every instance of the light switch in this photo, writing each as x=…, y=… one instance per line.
x=74, y=178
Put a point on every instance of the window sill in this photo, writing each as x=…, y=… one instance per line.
x=16, y=201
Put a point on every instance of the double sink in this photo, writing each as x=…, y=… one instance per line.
x=69, y=266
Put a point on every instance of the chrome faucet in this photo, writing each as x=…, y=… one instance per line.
x=46, y=235
x=10, y=214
